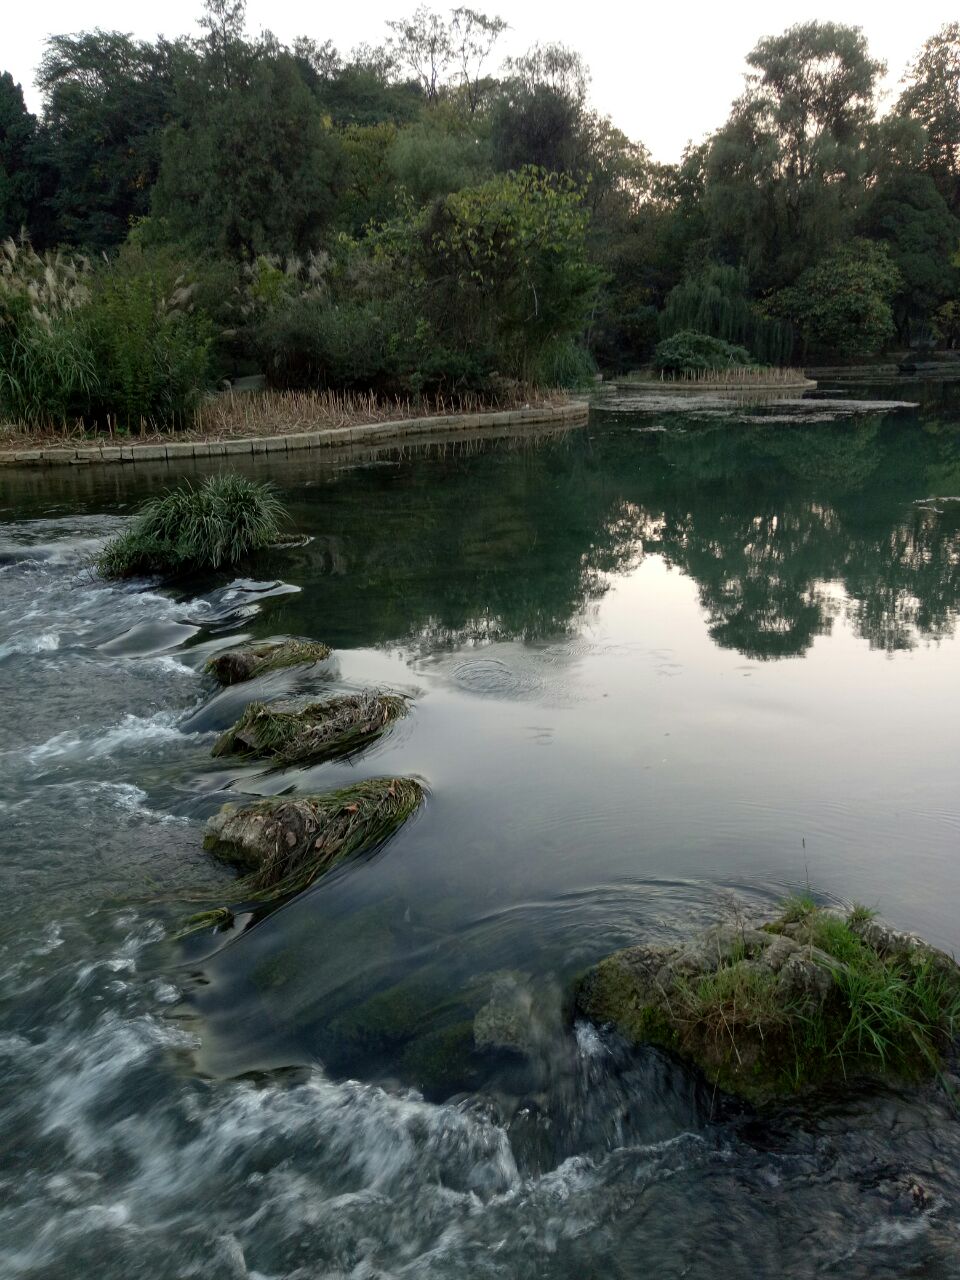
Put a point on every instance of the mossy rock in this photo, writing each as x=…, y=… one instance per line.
x=284, y=843
x=291, y=735
x=398, y=1014
x=808, y=998
x=237, y=665
x=443, y=1061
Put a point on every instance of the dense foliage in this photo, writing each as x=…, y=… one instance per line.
x=689, y=352
x=423, y=216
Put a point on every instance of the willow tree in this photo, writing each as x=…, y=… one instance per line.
x=717, y=301
x=785, y=171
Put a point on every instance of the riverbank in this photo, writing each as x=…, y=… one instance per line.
x=284, y=423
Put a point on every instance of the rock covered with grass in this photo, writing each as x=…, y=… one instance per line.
x=234, y=666
x=213, y=525
x=811, y=997
x=284, y=843
x=290, y=735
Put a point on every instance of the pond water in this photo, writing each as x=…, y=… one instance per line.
x=664, y=669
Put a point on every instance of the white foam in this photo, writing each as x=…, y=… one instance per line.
x=132, y=731
x=45, y=642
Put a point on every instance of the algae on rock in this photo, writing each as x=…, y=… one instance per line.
x=767, y=1012
x=233, y=666
x=289, y=734
x=284, y=843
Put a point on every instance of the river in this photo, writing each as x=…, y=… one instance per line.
x=665, y=669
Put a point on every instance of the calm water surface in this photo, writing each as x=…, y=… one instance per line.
x=664, y=669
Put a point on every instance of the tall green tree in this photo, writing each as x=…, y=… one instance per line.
x=786, y=169
x=108, y=99
x=19, y=173
x=251, y=167
x=932, y=96
x=910, y=215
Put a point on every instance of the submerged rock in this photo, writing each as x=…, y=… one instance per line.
x=506, y=1021
x=291, y=734
x=236, y=665
x=810, y=997
x=284, y=843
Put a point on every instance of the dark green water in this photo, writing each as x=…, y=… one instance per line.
x=664, y=669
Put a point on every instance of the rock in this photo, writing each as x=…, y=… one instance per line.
x=286, y=842
x=765, y=1012
x=293, y=734
x=236, y=665
x=506, y=1021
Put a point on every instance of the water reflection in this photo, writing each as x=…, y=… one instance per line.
x=782, y=527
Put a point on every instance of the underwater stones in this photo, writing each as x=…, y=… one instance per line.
x=809, y=998
x=506, y=1020
x=236, y=665
x=295, y=735
x=284, y=843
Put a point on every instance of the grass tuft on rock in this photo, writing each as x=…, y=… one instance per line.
x=215, y=524
x=234, y=666
x=811, y=997
x=283, y=844
x=290, y=735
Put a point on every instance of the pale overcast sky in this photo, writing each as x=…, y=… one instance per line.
x=665, y=73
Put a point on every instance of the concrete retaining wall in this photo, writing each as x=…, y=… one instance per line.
x=374, y=433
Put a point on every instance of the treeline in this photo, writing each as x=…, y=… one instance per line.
x=423, y=216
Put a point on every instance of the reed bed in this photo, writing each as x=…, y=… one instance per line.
x=736, y=376
x=238, y=414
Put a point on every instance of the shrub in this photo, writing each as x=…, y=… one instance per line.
x=152, y=353
x=688, y=352
x=313, y=342
x=842, y=306
x=564, y=363
x=218, y=523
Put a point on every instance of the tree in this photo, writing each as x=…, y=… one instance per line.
x=786, y=169
x=473, y=37
x=19, y=176
x=932, y=96
x=227, y=51
x=910, y=215
x=252, y=169
x=842, y=306
x=539, y=117
x=716, y=300
x=509, y=258
x=423, y=43
x=107, y=100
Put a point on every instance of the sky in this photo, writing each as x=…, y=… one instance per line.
x=665, y=73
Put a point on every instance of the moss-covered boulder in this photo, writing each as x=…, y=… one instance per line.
x=233, y=666
x=289, y=734
x=810, y=997
x=284, y=843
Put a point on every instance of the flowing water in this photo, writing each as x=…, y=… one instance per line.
x=665, y=669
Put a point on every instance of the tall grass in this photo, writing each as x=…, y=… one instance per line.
x=115, y=345
x=218, y=523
